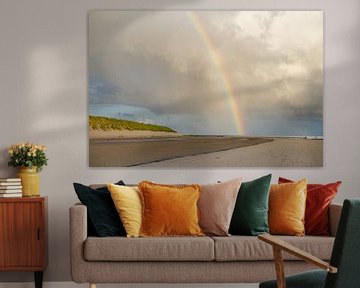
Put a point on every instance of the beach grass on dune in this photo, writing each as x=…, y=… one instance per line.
x=106, y=124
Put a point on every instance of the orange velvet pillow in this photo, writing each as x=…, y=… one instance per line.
x=169, y=210
x=318, y=200
x=287, y=204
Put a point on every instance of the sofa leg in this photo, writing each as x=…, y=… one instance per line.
x=92, y=285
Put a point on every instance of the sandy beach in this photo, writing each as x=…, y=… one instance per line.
x=206, y=151
x=278, y=153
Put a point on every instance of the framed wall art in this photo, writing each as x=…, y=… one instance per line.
x=205, y=88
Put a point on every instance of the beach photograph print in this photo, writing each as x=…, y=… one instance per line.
x=205, y=88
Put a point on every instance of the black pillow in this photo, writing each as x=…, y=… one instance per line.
x=104, y=219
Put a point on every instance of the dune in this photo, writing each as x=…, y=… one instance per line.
x=97, y=134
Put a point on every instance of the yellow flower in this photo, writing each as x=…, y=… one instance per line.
x=27, y=153
x=41, y=147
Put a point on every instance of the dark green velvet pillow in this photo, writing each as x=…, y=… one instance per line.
x=250, y=216
x=103, y=218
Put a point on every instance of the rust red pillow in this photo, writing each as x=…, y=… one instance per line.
x=319, y=197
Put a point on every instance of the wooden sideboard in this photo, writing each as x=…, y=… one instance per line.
x=23, y=235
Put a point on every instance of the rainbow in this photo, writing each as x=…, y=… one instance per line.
x=216, y=59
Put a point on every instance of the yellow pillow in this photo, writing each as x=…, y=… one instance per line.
x=169, y=210
x=287, y=204
x=127, y=201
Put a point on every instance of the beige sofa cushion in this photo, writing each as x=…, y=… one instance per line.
x=149, y=249
x=243, y=248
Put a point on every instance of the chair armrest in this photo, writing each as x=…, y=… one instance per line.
x=284, y=246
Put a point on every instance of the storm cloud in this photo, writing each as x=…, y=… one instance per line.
x=155, y=66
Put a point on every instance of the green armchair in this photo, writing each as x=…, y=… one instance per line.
x=344, y=268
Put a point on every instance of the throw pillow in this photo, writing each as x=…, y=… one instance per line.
x=102, y=215
x=287, y=204
x=216, y=206
x=127, y=201
x=169, y=210
x=250, y=215
x=319, y=197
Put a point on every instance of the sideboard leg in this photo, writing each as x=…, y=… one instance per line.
x=92, y=285
x=38, y=279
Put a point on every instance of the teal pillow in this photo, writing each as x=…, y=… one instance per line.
x=250, y=216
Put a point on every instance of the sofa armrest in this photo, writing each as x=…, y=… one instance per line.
x=78, y=235
x=334, y=216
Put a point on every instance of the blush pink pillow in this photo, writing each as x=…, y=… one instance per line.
x=216, y=205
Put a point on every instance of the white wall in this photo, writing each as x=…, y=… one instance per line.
x=44, y=99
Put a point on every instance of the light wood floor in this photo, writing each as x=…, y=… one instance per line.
x=74, y=285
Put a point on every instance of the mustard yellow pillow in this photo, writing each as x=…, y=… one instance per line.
x=169, y=210
x=127, y=201
x=287, y=204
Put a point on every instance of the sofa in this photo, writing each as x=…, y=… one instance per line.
x=233, y=259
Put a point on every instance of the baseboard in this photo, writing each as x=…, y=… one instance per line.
x=74, y=285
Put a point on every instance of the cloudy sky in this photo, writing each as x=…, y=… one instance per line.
x=209, y=72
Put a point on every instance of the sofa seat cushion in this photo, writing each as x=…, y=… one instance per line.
x=244, y=248
x=149, y=249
